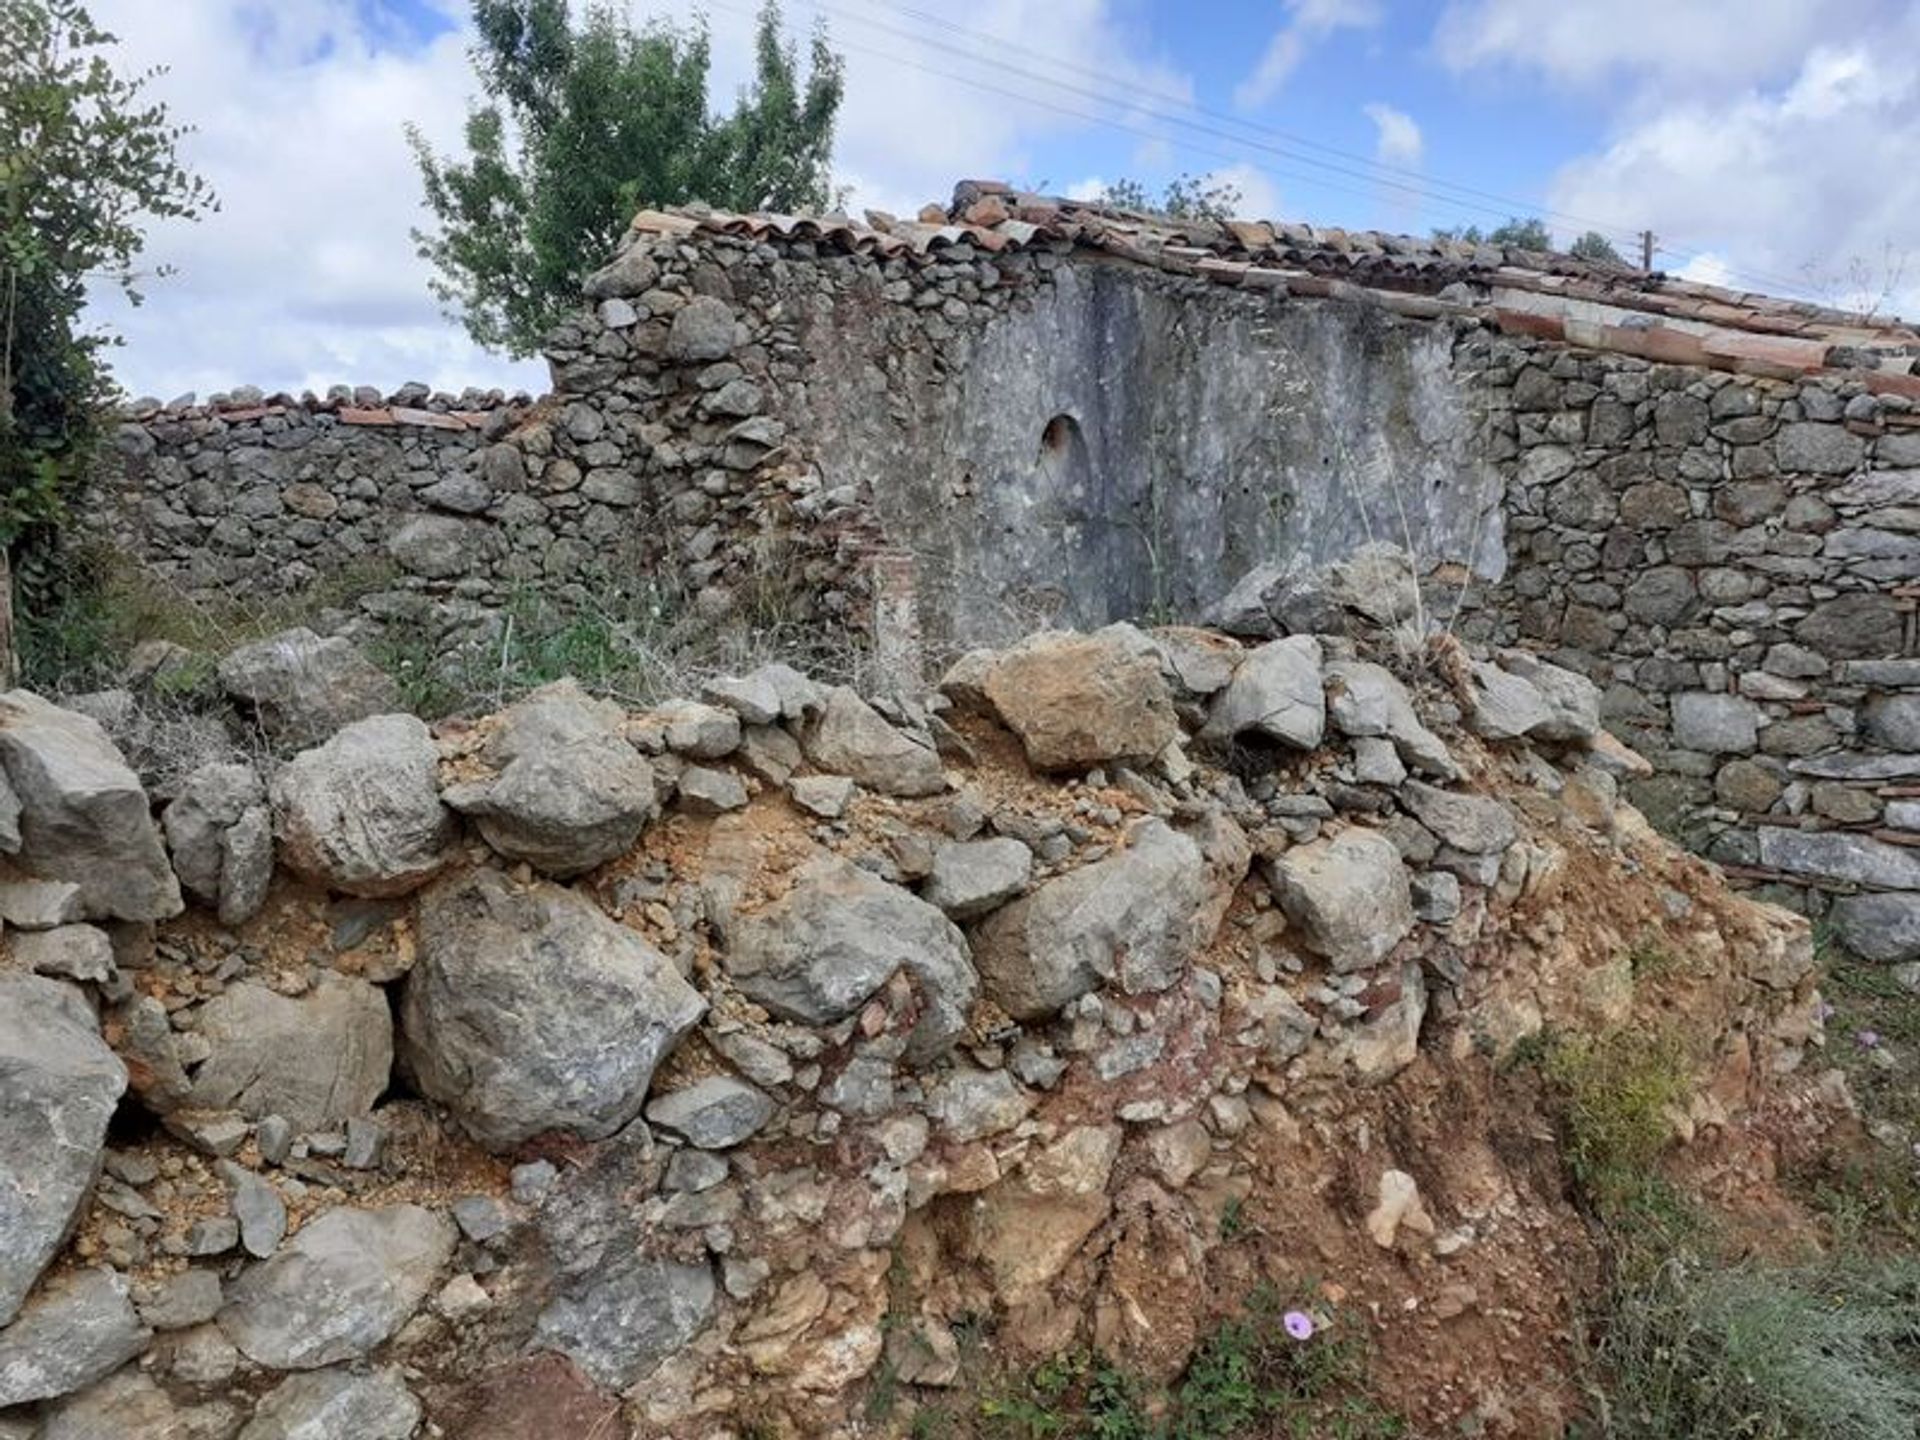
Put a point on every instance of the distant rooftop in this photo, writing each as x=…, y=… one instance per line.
x=1547, y=294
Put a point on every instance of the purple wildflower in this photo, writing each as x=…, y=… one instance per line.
x=1299, y=1324
x=1867, y=1039
x=1824, y=1010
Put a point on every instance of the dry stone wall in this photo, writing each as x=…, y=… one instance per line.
x=734, y=1066
x=1737, y=563
x=961, y=444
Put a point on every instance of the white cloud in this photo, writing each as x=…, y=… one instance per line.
x=1259, y=195
x=307, y=277
x=1808, y=186
x=1397, y=138
x=1308, y=22
x=1592, y=44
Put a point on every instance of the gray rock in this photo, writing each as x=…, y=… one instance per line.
x=1366, y=700
x=633, y=273
x=970, y=1104
x=715, y=1113
x=1819, y=449
x=755, y=698
x=192, y=1297
x=1716, y=724
x=40, y=904
x=851, y=738
x=72, y=1333
x=67, y=952
x=1276, y=692
x=480, y=1218
x=705, y=732
x=970, y=878
x=1893, y=721
x=462, y=494
x=1377, y=762
x=705, y=791
x=1349, y=895
x=302, y=688
x=819, y=952
x=339, y=1288
x=337, y=1405
x=824, y=795
x=529, y=1010
x=1502, y=706
x=434, y=547
x=627, y=1317
x=1436, y=896
x=83, y=818
x=361, y=814
x=220, y=833
x=1882, y=928
x=702, y=330
x=215, y=1236
x=1835, y=855
x=316, y=1060
x=124, y=1406
x=1082, y=700
x=800, y=697
x=1864, y=625
x=570, y=793
x=1476, y=824
x=1572, y=700
x=257, y=1207
x=1199, y=662
x=60, y=1084
x=1131, y=918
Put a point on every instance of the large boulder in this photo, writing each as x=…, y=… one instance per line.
x=1276, y=693
x=220, y=832
x=316, y=1060
x=339, y=1288
x=820, y=951
x=1131, y=918
x=73, y=1333
x=1349, y=895
x=569, y=794
x=302, y=688
x=624, y=1318
x=124, y=1406
x=1365, y=700
x=336, y=1405
x=849, y=737
x=1881, y=928
x=73, y=811
x=1081, y=700
x=59, y=1084
x=361, y=814
x=529, y=1010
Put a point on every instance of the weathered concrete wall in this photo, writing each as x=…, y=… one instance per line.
x=1131, y=444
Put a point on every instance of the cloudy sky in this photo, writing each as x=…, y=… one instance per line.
x=1769, y=143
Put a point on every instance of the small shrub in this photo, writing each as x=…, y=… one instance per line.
x=1827, y=1352
x=1613, y=1094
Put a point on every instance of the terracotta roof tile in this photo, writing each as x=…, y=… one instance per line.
x=1758, y=333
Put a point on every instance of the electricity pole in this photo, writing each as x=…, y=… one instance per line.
x=1646, y=251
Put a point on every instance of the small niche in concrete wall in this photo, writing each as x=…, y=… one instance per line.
x=1064, y=463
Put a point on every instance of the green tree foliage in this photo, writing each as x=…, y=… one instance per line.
x=583, y=124
x=1528, y=234
x=1596, y=249
x=85, y=162
x=1187, y=198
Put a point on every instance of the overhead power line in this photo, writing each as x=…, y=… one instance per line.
x=1114, y=95
x=1625, y=238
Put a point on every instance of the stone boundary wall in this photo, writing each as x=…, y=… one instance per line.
x=1737, y=563
x=1734, y=558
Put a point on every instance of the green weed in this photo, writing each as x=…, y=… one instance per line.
x=1827, y=1352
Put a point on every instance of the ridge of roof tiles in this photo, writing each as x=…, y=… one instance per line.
x=1768, y=334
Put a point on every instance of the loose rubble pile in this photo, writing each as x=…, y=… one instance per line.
x=682, y=1073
